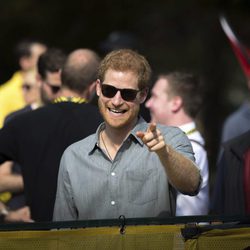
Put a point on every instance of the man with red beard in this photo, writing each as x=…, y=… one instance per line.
x=128, y=167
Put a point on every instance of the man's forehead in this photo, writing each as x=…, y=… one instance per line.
x=121, y=76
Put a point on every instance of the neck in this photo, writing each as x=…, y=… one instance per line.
x=178, y=120
x=70, y=93
x=116, y=136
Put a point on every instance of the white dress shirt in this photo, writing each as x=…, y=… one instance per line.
x=199, y=204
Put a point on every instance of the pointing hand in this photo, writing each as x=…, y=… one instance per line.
x=152, y=138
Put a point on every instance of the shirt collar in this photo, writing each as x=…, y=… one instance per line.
x=187, y=127
x=141, y=125
x=95, y=142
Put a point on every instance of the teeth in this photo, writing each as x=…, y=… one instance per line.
x=116, y=111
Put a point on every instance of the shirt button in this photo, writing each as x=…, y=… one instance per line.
x=113, y=173
x=112, y=203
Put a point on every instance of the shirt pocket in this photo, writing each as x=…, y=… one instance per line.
x=142, y=186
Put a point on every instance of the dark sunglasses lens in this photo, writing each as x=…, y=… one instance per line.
x=55, y=89
x=108, y=91
x=128, y=94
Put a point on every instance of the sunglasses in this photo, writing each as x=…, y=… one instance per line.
x=127, y=94
x=27, y=87
x=53, y=88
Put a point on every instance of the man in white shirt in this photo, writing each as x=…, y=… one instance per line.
x=175, y=101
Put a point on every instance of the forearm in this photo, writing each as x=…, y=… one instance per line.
x=19, y=215
x=11, y=183
x=183, y=174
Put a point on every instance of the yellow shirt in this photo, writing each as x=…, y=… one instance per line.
x=11, y=97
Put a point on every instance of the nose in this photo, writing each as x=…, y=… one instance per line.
x=117, y=99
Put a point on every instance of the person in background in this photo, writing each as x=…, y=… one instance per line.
x=31, y=94
x=31, y=90
x=175, y=101
x=49, y=66
x=232, y=186
x=128, y=167
x=238, y=122
x=11, y=181
x=37, y=139
x=35, y=94
x=18, y=215
x=11, y=97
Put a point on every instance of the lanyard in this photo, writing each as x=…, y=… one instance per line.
x=191, y=131
x=70, y=99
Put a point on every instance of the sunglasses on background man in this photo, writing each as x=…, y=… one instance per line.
x=54, y=88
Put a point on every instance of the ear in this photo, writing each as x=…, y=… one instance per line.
x=98, y=87
x=92, y=87
x=90, y=91
x=143, y=95
x=176, y=103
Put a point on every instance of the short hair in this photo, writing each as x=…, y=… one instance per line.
x=50, y=61
x=188, y=87
x=127, y=60
x=80, y=70
x=23, y=48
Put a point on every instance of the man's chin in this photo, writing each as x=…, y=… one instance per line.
x=116, y=124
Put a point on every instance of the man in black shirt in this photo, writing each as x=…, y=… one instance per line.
x=37, y=139
x=49, y=68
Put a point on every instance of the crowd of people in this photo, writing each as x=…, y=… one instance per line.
x=74, y=144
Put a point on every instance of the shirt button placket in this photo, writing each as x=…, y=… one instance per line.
x=113, y=182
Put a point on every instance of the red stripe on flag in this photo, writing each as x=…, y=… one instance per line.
x=241, y=51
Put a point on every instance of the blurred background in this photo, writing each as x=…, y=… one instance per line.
x=173, y=35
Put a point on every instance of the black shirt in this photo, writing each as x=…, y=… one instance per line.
x=37, y=140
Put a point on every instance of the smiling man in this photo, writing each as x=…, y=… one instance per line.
x=128, y=167
x=175, y=100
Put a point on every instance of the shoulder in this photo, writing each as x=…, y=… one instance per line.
x=77, y=109
x=172, y=133
x=24, y=119
x=167, y=131
x=241, y=141
x=16, y=113
x=236, y=116
x=82, y=146
x=89, y=109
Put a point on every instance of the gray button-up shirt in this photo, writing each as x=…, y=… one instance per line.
x=134, y=184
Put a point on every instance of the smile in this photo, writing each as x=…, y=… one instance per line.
x=116, y=111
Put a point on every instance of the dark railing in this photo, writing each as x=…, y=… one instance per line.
x=188, y=221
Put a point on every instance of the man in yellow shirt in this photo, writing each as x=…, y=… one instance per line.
x=11, y=97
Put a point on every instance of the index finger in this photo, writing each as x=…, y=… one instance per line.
x=151, y=127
